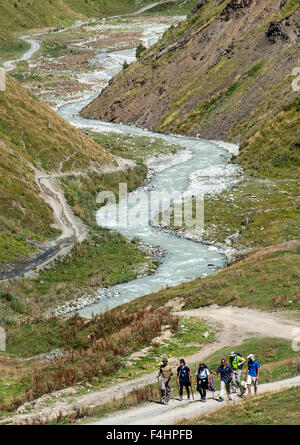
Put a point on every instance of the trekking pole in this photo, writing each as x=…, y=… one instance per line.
x=178, y=388
x=159, y=391
x=192, y=390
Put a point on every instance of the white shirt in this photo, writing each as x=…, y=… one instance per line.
x=202, y=374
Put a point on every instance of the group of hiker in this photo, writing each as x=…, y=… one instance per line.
x=230, y=373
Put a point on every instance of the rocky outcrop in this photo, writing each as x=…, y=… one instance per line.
x=275, y=32
x=198, y=6
x=233, y=7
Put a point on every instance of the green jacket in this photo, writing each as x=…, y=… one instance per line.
x=235, y=363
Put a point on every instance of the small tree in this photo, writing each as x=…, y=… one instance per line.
x=140, y=49
x=125, y=65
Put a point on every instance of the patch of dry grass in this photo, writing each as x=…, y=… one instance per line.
x=94, y=349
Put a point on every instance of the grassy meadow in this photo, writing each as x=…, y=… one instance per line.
x=278, y=408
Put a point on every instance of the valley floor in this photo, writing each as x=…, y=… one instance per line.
x=264, y=280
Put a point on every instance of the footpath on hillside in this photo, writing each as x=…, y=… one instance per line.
x=176, y=411
x=234, y=325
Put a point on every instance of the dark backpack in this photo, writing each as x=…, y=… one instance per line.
x=237, y=354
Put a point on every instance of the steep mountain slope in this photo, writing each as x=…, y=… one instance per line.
x=220, y=74
x=34, y=138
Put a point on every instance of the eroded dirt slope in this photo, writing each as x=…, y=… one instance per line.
x=222, y=73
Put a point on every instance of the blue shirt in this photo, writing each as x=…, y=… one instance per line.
x=253, y=368
x=184, y=374
x=225, y=373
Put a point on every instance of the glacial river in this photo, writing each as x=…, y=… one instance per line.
x=203, y=167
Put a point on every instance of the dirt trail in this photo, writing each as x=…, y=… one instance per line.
x=10, y=65
x=72, y=228
x=34, y=47
x=157, y=414
x=244, y=321
x=144, y=9
x=234, y=324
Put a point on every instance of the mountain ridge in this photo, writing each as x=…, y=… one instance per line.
x=216, y=75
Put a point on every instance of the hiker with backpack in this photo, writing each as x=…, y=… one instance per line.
x=226, y=373
x=202, y=380
x=253, y=373
x=165, y=374
x=184, y=377
x=236, y=363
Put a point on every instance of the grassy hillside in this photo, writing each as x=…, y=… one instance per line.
x=20, y=15
x=279, y=408
x=32, y=136
x=220, y=74
x=266, y=279
x=105, y=258
x=274, y=149
x=264, y=208
x=95, y=351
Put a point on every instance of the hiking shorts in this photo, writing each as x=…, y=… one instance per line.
x=252, y=380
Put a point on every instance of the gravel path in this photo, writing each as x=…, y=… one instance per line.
x=233, y=324
x=157, y=414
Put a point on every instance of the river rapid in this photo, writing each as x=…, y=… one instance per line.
x=202, y=167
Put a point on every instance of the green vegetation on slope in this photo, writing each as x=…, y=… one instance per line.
x=266, y=279
x=22, y=15
x=105, y=258
x=32, y=136
x=278, y=408
x=94, y=349
x=237, y=76
x=277, y=359
x=264, y=207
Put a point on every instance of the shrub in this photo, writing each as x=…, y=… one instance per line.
x=140, y=49
x=296, y=141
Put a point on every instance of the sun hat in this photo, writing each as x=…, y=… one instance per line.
x=250, y=356
x=165, y=359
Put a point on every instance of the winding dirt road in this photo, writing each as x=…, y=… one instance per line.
x=144, y=9
x=10, y=65
x=72, y=228
x=233, y=324
x=34, y=47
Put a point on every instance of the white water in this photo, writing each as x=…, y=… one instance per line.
x=204, y=169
